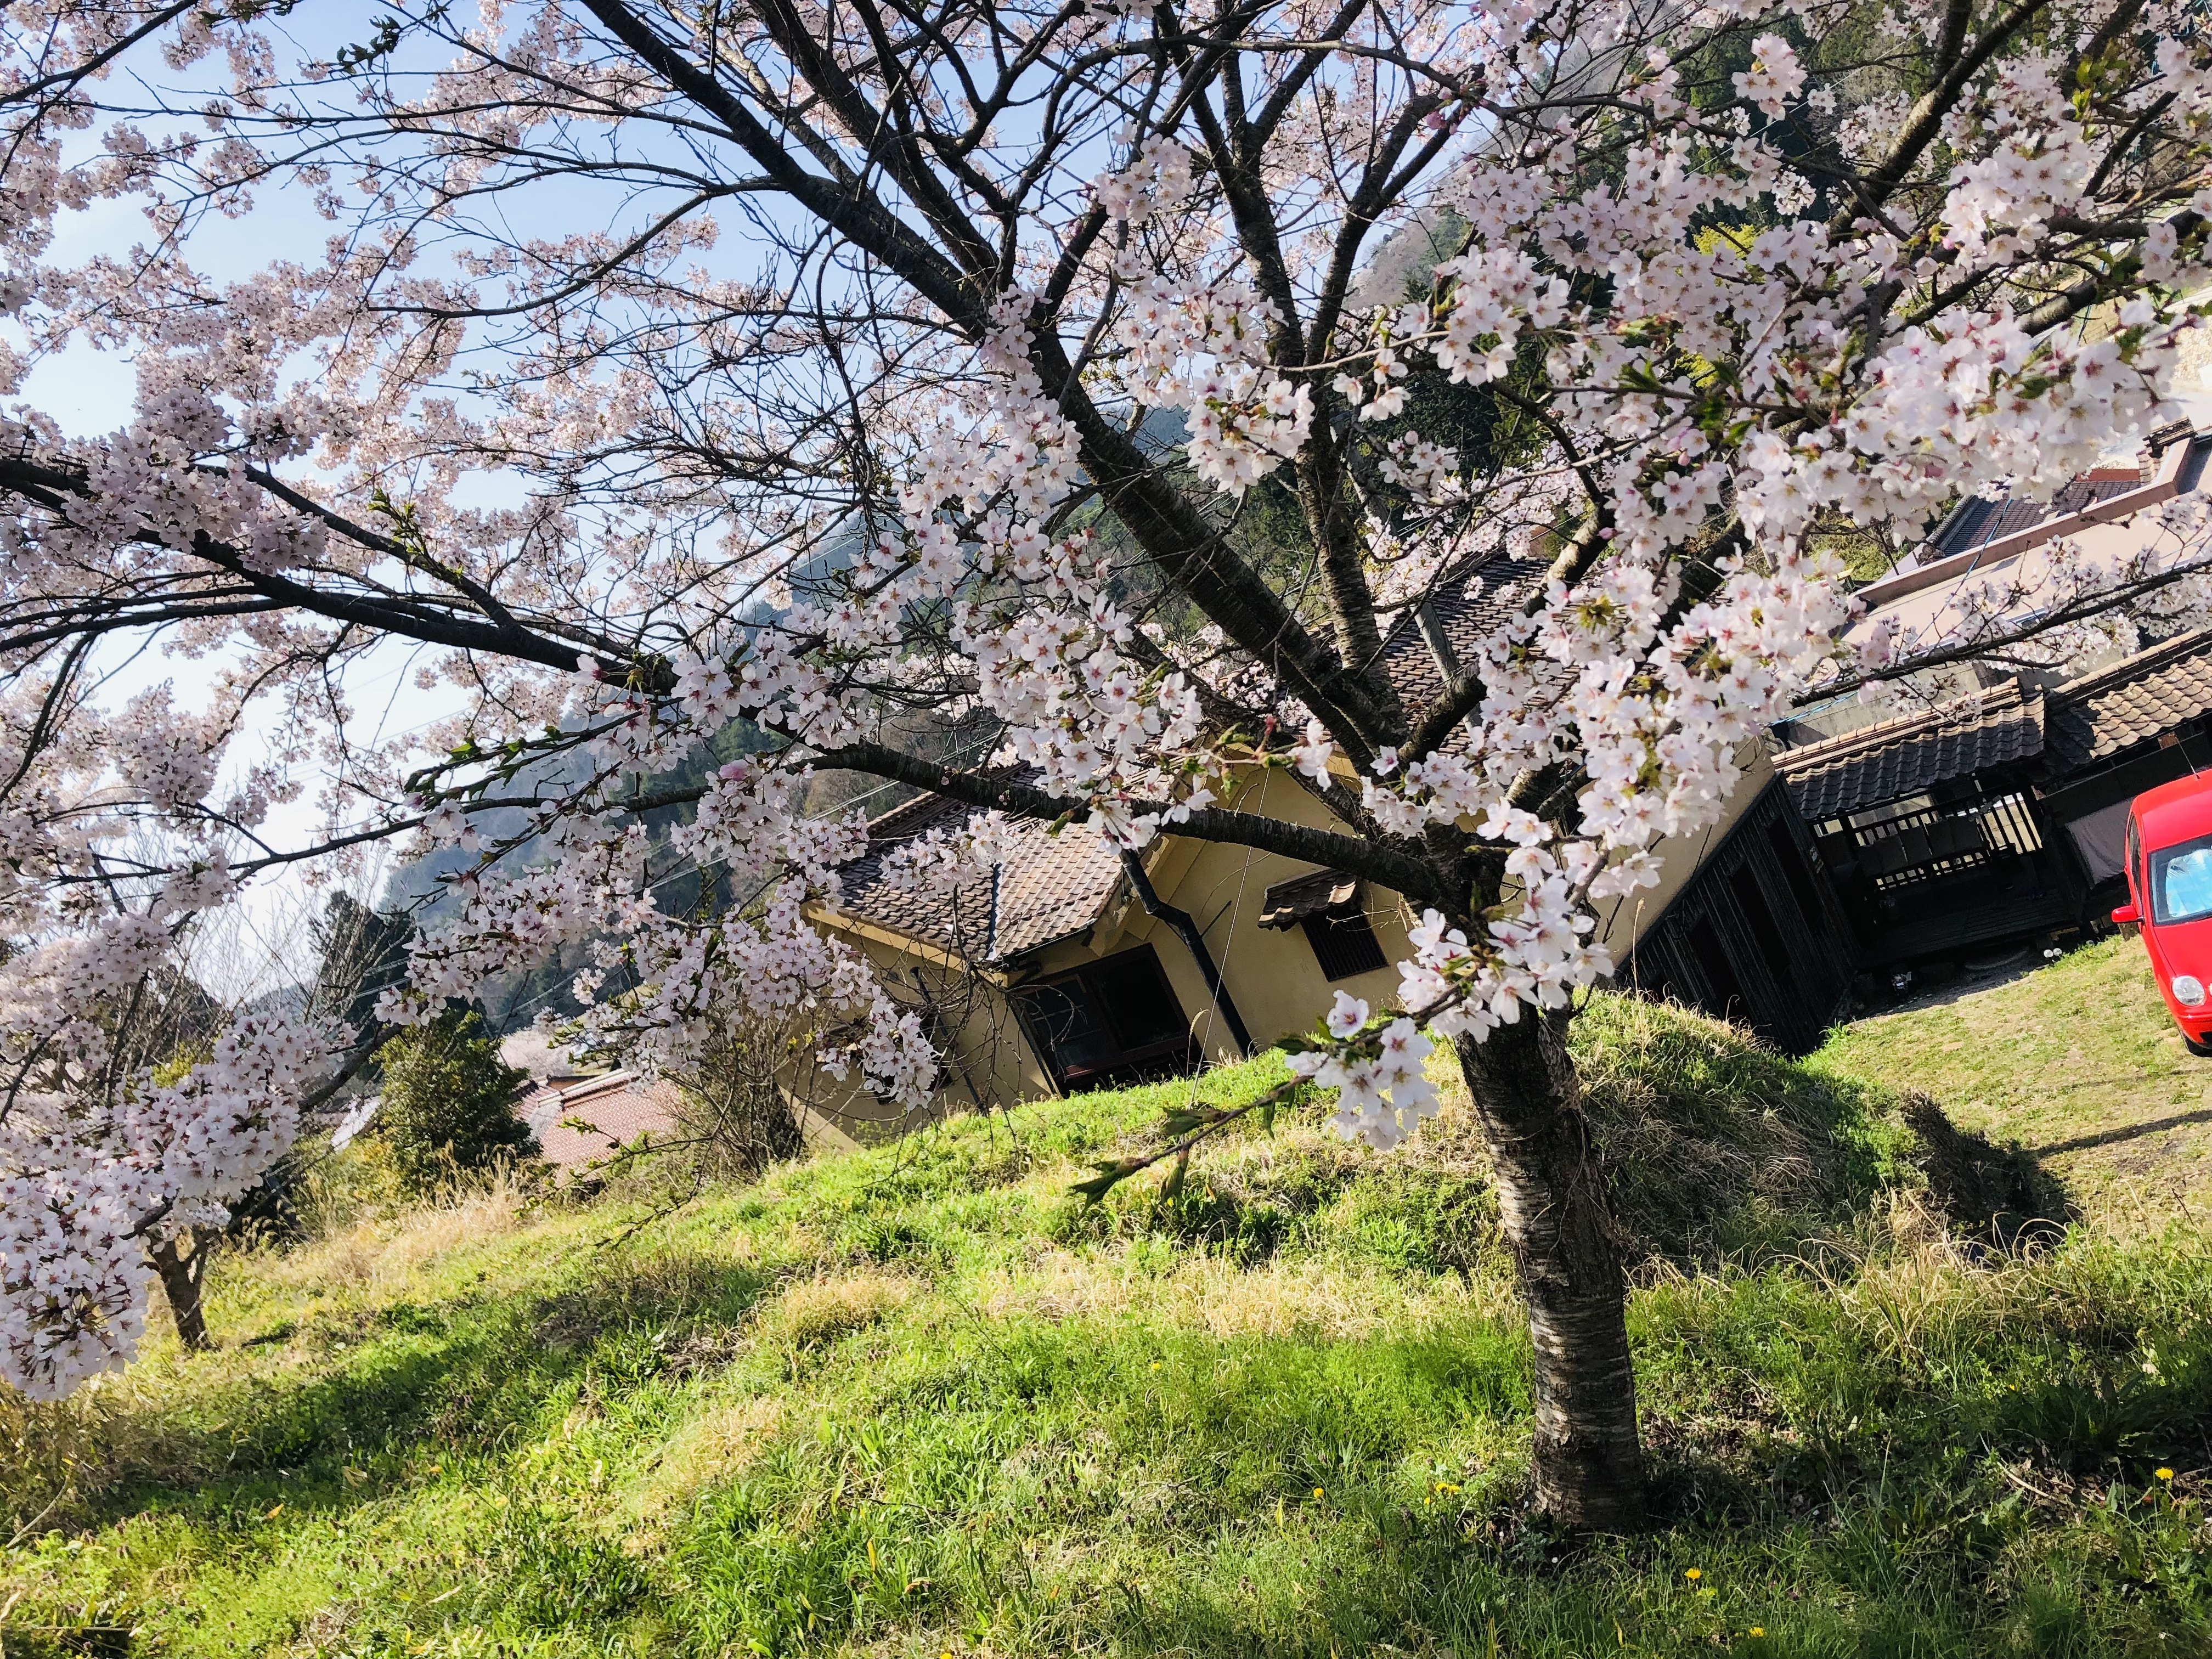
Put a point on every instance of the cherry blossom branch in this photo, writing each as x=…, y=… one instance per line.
x=2101, y=602
x=85, y=69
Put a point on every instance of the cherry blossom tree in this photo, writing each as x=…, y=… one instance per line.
x=1104, y=379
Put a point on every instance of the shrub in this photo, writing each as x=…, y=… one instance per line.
x=448, y=1101
x=735, y=1115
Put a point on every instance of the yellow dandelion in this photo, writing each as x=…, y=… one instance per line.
x=1758, y=1630
x=1316, y=1492
x=2163, y=1475
x=1694, y=1574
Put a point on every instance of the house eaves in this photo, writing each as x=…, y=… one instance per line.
x=1048, y=887
x=2146, y=695
x=2179, y=466
x=1901, y=757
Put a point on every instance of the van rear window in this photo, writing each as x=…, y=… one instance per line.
x=2181, y=881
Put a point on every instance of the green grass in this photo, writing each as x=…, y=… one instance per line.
x=2079, y=1063
x=918, y=1401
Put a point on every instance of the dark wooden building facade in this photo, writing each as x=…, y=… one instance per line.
x=1990, y=820
x=1931, y=831
x=1756, y=935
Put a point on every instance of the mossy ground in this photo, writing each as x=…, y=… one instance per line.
x=918, y=1401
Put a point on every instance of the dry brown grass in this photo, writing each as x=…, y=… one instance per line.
x=1913, y=1293
x=385, y=1248
x=813, y=1313
x=1303, y=1298
x=715, y=1447
x=50, y=1452
x=53, y=1454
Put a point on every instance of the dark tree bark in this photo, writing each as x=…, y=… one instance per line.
x=1559, y=1223
x=181, y=1272
x=776, y=1134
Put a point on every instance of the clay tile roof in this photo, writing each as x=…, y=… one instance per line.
x=1465, y=617
x=1056, y=887
x=1049, y=887
x=2116, y=708
x=618, y=1109
x=1900, y=758
x=1289, y=902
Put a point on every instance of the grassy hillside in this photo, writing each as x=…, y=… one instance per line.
x=2079, y=1063
x=919, y=1402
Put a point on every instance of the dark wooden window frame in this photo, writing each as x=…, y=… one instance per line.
x=1156, y=1056
x=1344, y=943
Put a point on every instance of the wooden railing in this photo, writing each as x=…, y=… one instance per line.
x=1940, y=841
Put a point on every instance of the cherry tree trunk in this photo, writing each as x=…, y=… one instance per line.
x=180, y=1282
x=1559, y=1223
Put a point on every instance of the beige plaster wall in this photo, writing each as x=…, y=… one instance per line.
x=1277, y=984
x=1623, y=921
x=988, y=1058
x=1272, y=976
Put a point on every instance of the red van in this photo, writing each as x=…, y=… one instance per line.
x=2169, y=853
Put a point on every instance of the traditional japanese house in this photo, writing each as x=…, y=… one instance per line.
x=1067, y=967
x=1928, y=831
x=1993, y=564
x=1994, y=817
x=2120, y=731
x=1991, y=820
x=1849, y=854
x=1997, y=816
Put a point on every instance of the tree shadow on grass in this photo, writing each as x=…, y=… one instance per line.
x=2000, y=1197
x=1719, y=1148
x=2114, y=1136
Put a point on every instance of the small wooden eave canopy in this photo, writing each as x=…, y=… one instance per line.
x=1316, y=894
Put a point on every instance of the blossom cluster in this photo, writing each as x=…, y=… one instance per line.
x=1775, y=77
x=83, y=1189
x=1159, y=178
x=1655, y=702
x=1202, y=350
x=942, y=859
x=1383, y=1090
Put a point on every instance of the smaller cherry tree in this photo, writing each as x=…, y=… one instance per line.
x=134, y=1112
x=111, y=1177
